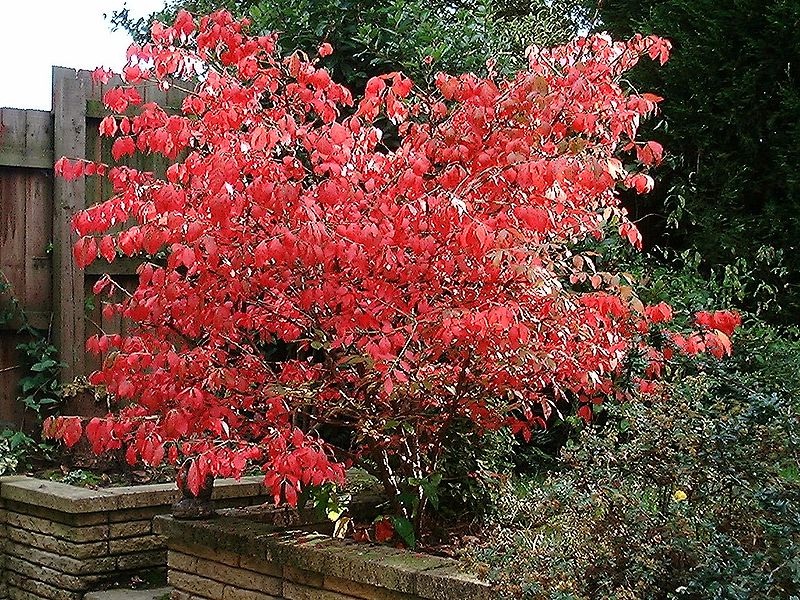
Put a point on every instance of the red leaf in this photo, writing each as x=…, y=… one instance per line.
x=184, y=23
x=132, y=74
x=69, y=169
x=290, y=494
x=401, y=86
x=102, y=75
x=123, y=146
x=71, y=430
x=108, y=126
x=384, y=530
x=650, y=153
x=85, y=251
x=108, y=249
x=194, y=480
x=631, y=233
x=153, y=241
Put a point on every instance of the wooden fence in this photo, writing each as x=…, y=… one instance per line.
x=36, y=236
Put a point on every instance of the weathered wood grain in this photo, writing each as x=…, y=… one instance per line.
x=26, y=138
x=69, y=119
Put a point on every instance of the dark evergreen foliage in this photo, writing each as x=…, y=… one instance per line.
x=731, y=121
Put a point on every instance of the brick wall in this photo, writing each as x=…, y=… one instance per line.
x=58, y=541
x=236, y=558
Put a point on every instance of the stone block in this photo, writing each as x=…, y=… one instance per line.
x=63, y=564
x=46, y=575
x=68, y=537
x=138, y=514
x=135, y=544
x=247, y=580
x=363, y=590
x=302, y=576
x=11, y=478
x=130, y=528
x=233, y=593
x=195, y=584
x=41, y=589
x=376, y=565
x=448, y=583
x=180, y=595
x=50, y=543
x=293, y=591
x=14, y=593
x=132, y=497
x=142, y=560
x=184, y=562
x=71, y=519
x=246, y=487
x=260, y=565
x=229, y=575
x=239, y=553
x=58, y=496
x=72, y=533
x=144, y=496
x=311, y=552
x=219, y=556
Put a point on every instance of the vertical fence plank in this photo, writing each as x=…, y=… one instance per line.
x=38, y=235
x=69, y=124
x=36, y=208
x=12, y=230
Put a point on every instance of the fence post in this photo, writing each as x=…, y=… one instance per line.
x=69, y=126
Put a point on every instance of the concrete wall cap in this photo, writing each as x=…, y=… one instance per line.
x=66, y=498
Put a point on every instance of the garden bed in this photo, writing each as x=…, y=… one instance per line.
x=58, y=541
x=280, y=555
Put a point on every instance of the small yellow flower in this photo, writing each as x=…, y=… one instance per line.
x=679, y=496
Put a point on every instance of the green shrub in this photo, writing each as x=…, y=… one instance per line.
x=693, y=497
x=8, y=458
x=419, y=37
x=20, y=451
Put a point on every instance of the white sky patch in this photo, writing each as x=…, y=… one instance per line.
x=37, y=34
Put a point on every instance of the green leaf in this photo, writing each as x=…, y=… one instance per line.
x=405, y=530
x=43, y=365
x=409, y=500
x=431, y=488
x=18, y=439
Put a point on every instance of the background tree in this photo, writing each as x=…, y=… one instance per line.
x=730, y=123
x=419, y=37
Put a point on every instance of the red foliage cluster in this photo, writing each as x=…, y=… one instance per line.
x=393, y=266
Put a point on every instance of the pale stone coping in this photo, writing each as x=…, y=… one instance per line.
x=67, y=498
x=426, y=576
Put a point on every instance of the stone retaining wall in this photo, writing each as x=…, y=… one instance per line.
x=59, y=541
x=235, y=558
